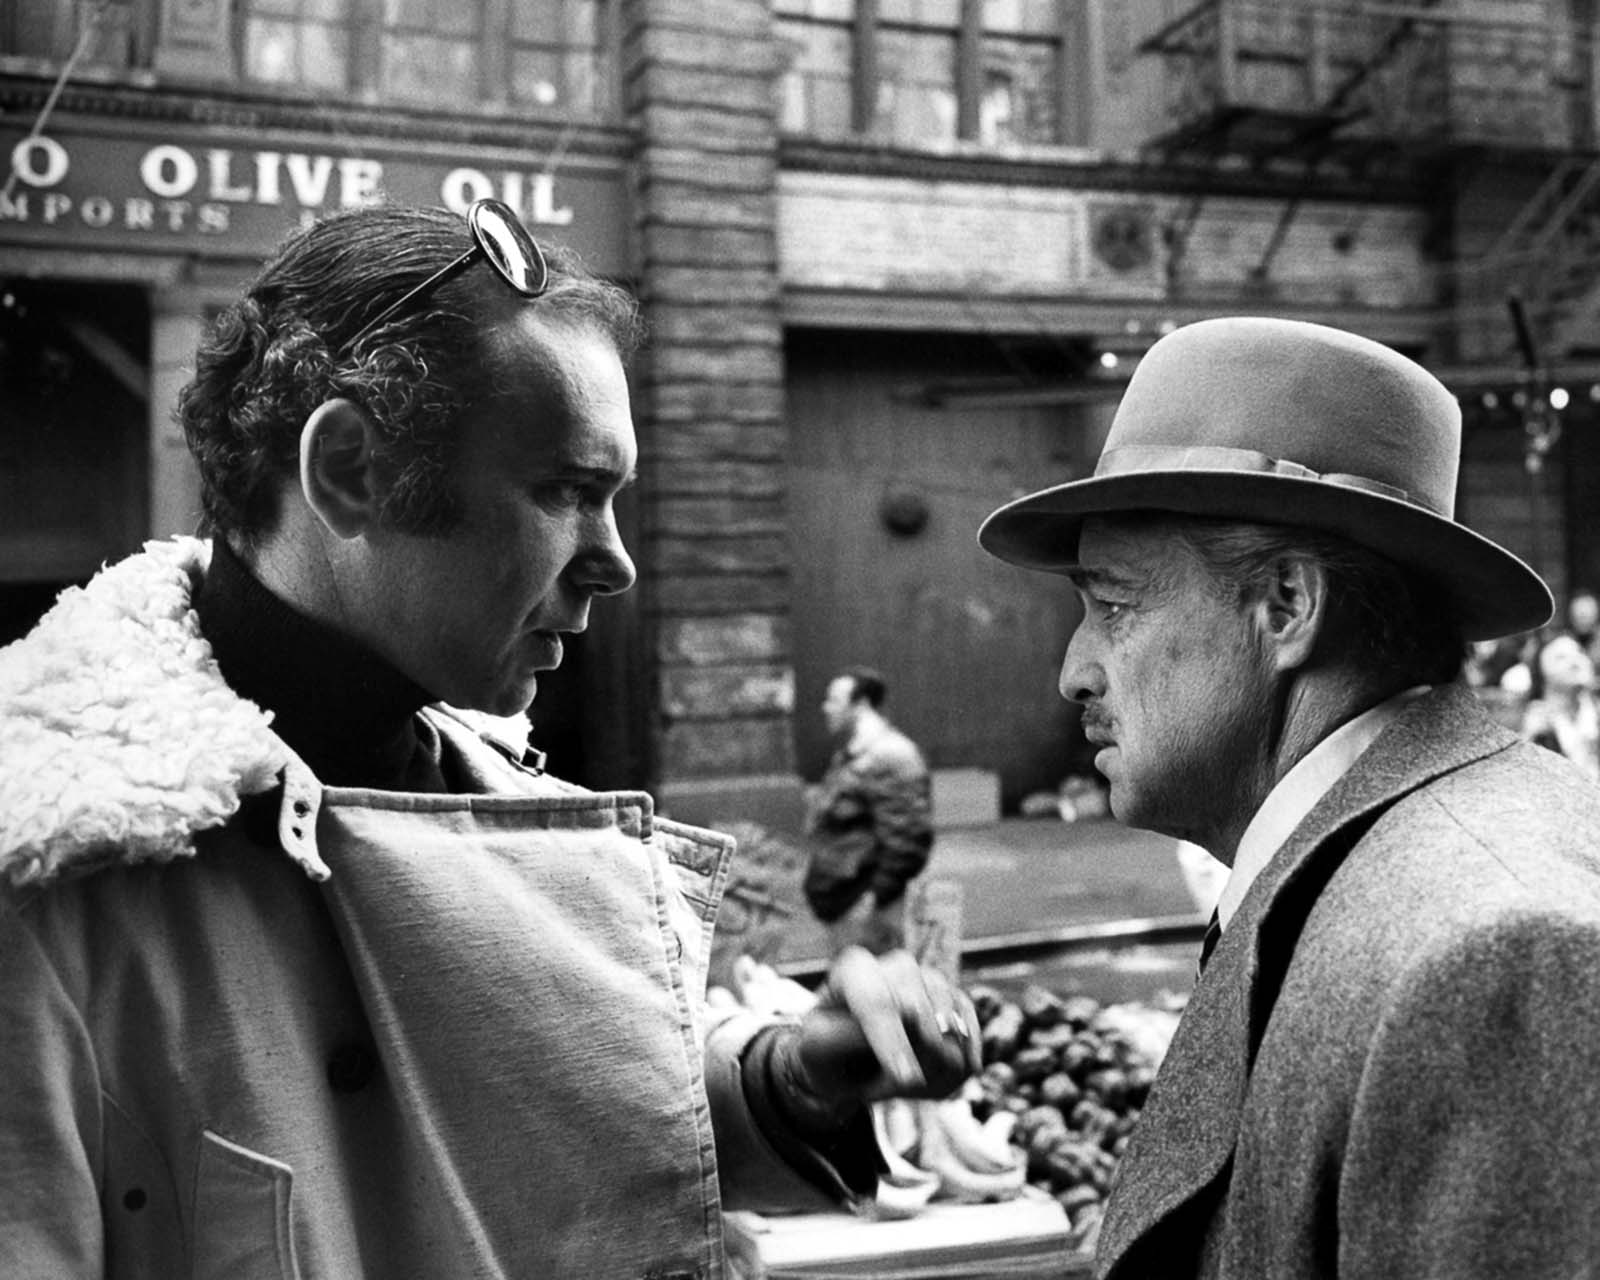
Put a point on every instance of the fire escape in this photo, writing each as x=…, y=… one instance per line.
x=1488, y=105
x=1368, y=87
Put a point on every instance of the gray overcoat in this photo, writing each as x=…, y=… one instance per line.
x=1392, y=1064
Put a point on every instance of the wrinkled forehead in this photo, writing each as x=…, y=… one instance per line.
x=556, y=373
x=559, y=399
x=526, y=350
x=1142, y=549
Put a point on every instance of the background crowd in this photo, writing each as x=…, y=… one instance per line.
x=1543, y=682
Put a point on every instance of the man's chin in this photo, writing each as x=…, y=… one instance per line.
x=516, y=702
x=1157, y=819
x=507, y=700
x=1125, y=807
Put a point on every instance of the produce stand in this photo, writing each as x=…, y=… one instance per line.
x=1074, y=1023
x=1023, y=1238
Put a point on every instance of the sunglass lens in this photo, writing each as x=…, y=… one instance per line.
x=509, y=247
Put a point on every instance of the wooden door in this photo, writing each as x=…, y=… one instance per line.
x=970, y=647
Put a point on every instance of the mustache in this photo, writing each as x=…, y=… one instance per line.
x=1096, y=722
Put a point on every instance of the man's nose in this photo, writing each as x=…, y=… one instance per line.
x=619, y=575
x=605, y=567
x=1082, y=677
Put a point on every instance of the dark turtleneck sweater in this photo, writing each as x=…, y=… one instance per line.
x=353, y=719
x=344, y=710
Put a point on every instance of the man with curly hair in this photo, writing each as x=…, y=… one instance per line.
x=306, y=966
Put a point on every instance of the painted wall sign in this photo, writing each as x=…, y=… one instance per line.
x=916, y=237
x=232, y=200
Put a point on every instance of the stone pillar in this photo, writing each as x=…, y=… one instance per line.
x=714, y=558
x=176, y=322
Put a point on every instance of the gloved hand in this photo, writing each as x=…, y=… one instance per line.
x=883, y=1026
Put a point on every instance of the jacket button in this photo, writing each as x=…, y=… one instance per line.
x=351, y=1067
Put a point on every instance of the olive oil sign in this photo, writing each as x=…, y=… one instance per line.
x=232, y=197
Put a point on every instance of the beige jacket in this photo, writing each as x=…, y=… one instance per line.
x=254, y=1027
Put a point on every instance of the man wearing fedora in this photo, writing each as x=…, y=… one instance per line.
x=1391, y=1062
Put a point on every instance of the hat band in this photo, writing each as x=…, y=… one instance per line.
x=1136, y=458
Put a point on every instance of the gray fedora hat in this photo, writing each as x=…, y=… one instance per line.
x=1283, y=422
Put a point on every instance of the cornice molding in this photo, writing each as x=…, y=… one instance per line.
x=1082, y=169
x=23, y=95
x=808, y=307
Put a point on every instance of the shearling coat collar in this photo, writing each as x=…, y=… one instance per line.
x=1189, y=1129
x=119, y=739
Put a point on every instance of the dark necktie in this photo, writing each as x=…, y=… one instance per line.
x=1209, y=943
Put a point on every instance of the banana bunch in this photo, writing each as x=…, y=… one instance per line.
x=940, y=1150
x=903, y=1188
x=930, y=1149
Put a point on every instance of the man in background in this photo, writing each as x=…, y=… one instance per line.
x=871, y=819
x=1583, y=621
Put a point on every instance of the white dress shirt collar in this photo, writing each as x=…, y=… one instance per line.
x=1298, y=791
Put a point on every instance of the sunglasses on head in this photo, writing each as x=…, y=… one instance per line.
x=500, y=239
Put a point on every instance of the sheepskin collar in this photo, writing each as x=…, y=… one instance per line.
x=119, y=739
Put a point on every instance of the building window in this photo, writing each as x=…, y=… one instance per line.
x=553, y=56
x=309, y=43
x=930, y=72
x=915, y=95
x=99, y=33
x=816, y=90
x=561, y=56
x=1023, y=70
x=430, y=51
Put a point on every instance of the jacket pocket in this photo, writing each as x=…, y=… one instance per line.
x=242, y=1229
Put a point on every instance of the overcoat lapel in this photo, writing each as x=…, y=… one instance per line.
x=1184, y=1142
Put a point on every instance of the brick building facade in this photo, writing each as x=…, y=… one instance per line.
x=896, y=256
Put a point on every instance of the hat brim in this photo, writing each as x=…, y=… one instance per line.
x=1496, y=593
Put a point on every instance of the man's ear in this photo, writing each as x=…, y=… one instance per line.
x=1293, y=611
x=337, y=475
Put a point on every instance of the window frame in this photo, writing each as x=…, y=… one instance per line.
x=364, y=25
x=1070, y=39
x=495, y=48
x=141, y=26
x=355, y=59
